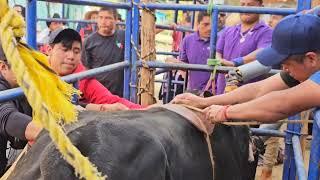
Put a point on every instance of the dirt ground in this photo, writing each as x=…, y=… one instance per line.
x=277, y=170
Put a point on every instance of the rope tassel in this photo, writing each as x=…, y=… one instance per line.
x=48, y=95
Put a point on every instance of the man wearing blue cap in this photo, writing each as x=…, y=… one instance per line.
x=296, y=46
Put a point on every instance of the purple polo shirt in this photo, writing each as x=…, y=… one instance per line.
x=194, y=50
x=230, y=47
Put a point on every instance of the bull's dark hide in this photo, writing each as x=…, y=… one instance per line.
x=156, y=144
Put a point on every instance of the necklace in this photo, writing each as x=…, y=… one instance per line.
x=243, y=36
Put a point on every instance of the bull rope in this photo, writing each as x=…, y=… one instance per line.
x=249, y=123
x=49, y=111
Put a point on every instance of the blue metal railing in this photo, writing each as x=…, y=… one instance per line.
x=135, y=51
x=17, y=92
x=301, y=171
x=127, y=54
x=166, y=27
x=93, y=3
x=221, y=8
x=314, y=168
x=32, y=23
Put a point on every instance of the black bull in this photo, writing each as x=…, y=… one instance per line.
x=156, y=144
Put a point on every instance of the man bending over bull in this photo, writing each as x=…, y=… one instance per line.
x=65, y=57
x=295, y=45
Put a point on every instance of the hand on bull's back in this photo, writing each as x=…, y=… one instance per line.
x=107, y=107
x=216, y=113
x=189, y=99
x=114, y=107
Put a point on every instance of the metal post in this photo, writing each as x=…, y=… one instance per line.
x=301, y=171
x=134, y=57
x=127, y=52
x=308, y=4
x=193, y=17
x=314, y=169
x=176, y=13
x=303, y=5
x=221, y=8
x=63, y=11
x=185, y=86
x=32, y=23
x=289, y=167
x=169, y=86
x=11, y=94
x=214, y=32
x=300, y=5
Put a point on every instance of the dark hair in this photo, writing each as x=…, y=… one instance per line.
x=119, y=17
x=66, y=42
x=113, y=11
x=23, y=10
x=88, y=14
x=299, y=58
x=188, y=19
x=6, y=62
x=201, y=15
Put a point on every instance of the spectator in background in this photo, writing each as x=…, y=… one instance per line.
x=88, y=28
x=177, y=36
x=120, y=20
x=275, y=19
x=221, y=22
x=239, y=44
x=195, y=49
x=198, y=86
x=104, y=47
x=178, y=75
x=43, y=37
x=20, y=9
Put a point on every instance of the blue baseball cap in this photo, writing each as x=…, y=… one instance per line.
x=295, y=34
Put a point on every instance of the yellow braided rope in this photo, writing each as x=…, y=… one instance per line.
x=28, y=66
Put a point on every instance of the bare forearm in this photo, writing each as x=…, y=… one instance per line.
x=240, y=95
x=250, y=57
x=269, y=108
x=248, y=92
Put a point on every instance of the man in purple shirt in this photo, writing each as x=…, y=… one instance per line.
x=195, y=49
x=239, y=44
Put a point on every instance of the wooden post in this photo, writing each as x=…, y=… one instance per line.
x=148, y=53
x=304, y=130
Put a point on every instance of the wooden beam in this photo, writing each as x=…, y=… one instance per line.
x=146, y=84
x=305, y=115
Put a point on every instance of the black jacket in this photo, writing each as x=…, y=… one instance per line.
x=14, y=118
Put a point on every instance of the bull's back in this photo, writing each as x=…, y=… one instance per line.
x=151, y=145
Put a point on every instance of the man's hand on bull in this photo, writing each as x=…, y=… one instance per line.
x=107, y=107
x=113, y=107
x=32, y=131
x=190, y=99
x=216, y=113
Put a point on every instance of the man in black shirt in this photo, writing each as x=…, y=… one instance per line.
x=295, y=45
x=16, y=123
x=104, y=47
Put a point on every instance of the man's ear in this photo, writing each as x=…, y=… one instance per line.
x=3, y=65
x=49, y=50
x=313, y=58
